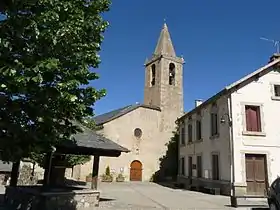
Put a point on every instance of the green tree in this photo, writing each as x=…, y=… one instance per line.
x=48, y=51
x=169, y=161
x=70, y=160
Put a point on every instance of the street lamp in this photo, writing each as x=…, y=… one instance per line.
x=224, y=119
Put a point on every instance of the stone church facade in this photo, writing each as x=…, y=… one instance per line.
x=145, y=128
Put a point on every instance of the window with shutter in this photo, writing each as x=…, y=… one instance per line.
x=215, y=167
x=214, y=124
x=198, y=130
x=253, y=118
x=190, y=132
x=277, y=90
x=190, y=166
x=199, y=166
x=182, y=166
x=183, y=135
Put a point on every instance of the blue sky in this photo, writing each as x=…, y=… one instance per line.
x=220, y=41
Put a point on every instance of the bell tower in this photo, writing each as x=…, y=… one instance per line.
x=164, y=79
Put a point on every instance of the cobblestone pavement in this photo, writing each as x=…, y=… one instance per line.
x=150, y=196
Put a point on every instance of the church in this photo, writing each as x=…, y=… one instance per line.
x=146, y=127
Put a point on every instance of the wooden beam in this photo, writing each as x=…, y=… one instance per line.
x=47, y=168
x=95, y=169
x=15, y=174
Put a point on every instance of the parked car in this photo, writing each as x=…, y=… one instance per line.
x=273, y=196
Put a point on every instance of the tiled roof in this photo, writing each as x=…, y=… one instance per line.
x=103, y=118
x=90, y=139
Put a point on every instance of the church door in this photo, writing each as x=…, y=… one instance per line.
x=136, y=171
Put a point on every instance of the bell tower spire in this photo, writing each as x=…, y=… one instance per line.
x=164, y=44
x=164, y=78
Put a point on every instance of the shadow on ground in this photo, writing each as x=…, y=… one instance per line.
x=252, y=206
x=106, y=199
x=69, y=182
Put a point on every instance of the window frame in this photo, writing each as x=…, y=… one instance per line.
x=183, y=135
x=273, y=96
x=262, y=123
x=190, y=167
x=153, y=75
x=212, y=134
x=218, y=167
x=257, y=110
x=199, y=175
x=172, y=74
x=198, y=132
x=182, y=169
x=190, y=134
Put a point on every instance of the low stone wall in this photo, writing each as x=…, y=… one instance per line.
x=197, y=183
x=32, y=198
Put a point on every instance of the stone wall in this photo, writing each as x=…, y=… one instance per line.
x=4, y=178
x=30, y=198
x=200, y=183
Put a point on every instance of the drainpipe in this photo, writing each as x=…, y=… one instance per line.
x=231, y=147
x=233, y=200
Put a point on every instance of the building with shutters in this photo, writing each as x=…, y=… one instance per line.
x=231, y=142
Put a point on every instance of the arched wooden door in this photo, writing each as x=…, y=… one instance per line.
x=136, y=171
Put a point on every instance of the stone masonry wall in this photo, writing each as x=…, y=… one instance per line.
x=29, y=198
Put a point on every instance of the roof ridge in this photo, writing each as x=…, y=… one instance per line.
x=231, y=86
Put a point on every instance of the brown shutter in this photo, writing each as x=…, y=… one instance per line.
x=254, y=119
x=253, y=116
x=248, y=120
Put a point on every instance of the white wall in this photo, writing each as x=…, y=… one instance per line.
x=257, y=92
x=219, y=145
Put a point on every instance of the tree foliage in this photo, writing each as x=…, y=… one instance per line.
x=47, y=48
x=69, y=159
x=169, y=161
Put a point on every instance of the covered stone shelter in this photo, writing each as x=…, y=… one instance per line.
x=55, y=193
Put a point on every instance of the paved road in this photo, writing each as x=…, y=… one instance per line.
x=150, y=196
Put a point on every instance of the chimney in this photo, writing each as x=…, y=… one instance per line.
x=274, y=57
x=198, y=102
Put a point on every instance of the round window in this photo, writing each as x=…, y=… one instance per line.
x=137, y=132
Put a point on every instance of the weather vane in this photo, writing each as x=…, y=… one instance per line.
x=275, y=43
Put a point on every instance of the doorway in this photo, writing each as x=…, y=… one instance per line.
x=136, y=171
x=256, y=174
